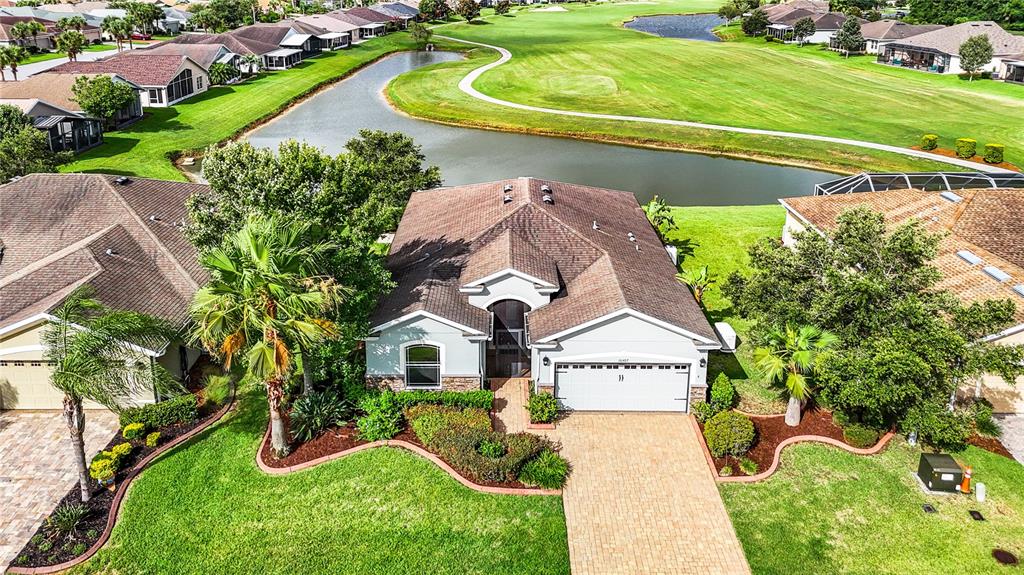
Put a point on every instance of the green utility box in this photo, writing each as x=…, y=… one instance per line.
x=939, y=472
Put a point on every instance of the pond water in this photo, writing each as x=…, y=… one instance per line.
x=334, y=116
x=688, y=26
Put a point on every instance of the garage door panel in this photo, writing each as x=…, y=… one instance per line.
x=622, y=387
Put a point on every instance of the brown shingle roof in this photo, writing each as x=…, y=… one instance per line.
x=203, y=54
x=54, y=88
x=371, y=15
x=895, y=29
x=987, y=223
x=56, y=230
x=142, y=69
x=948, y=40
x=450, y=235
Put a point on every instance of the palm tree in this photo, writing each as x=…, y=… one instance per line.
x=266, y=299
x=71, y=42
x=660, y=215
x=22, y=30
x=698, y=280
x=71, y=23
x=5, y=60
x=253, y=63
x=118, y=28
x=12, y=56
x=95, y=353
x=789, y=356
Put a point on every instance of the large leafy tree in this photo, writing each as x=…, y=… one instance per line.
x=789, y=356
x=468, y=9
x=849, y=37
x=24, y=149
x=96, y=355
x=102, y=97
x=950, y=12
x=803, y=29
x=902, y=342
x=435, y=9
x=975, y=54
x=755, y=24
x=269, y=297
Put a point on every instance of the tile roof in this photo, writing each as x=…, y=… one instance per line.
x=895, y=29
x=987, y=222
x=56, y=230
x=450, y=235
x=142, y=69
x=948, y=40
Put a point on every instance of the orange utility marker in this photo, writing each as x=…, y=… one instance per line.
x=965, y=486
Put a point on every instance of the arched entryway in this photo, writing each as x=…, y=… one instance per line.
x=507, y=355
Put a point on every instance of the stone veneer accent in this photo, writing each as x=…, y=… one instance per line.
x=698, y=395
x=397, y=383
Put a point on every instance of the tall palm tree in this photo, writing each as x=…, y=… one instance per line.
x=71, y=42
x=5, y=60
x=253, y=63
x=96, y=355
x=71, y=23
x=117, y=28
x=22, y=30
x=789, y=356
x=267, y=299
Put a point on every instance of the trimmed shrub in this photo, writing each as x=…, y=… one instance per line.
x=548, y=470
x=458, y=445
x=994, y=153
x=840, y=419
x=729, y=433
x=383, y=417
x=152, y=439
x=860, y=436
x=103, y=468
x=704, y=411
x=492, y=449
x=64, y=520
x=217, y=389
x=181, y=409
x=79, y=548
x=723, y=394
x=984, y=423
x=543, y=407
x=725, y=471
x=966, y=148
x=120, y=451
x=313, y=413
x=748, y=466
x=133, y=430
x=481, y=398
x=427, y=420
x=929, y=142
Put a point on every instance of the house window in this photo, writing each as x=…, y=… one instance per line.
x=199, y=82
x=155, y=96
x=181, y=86
x=423, y=366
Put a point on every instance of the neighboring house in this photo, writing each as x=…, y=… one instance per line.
x=205, y=55
x=56, y=89
x=365, y=29
x=939, y=51
x=783, y=9
x=403, y=13
x=375, y=23
x=175, y=20
x=881, y=33
x=981, y=255
x=567, y=285
x=340, y=32
x=49, y=19
x=1013, y=68
x=241, y=45
x=165, y=79
x=123, y=237
x=389, y=21
x=43, y=41
x=825, y=26
x=67, y=131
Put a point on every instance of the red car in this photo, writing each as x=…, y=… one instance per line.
x=141, y=36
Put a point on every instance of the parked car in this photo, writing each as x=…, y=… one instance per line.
x=141, y=36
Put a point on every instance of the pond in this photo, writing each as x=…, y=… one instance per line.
x=687, y=26
x=334, y=116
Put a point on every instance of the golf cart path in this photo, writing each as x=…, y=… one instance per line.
x=466, y=85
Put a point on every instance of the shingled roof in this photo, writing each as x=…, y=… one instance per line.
x=986, y=222
x=948, y=40
x=62, y=231
x=142, y=69
x=451, y=236
x=895, y=29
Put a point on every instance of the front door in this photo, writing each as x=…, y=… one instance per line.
x=508, y=355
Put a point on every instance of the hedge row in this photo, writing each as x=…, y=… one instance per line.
x=181, y=409
x=482, y=399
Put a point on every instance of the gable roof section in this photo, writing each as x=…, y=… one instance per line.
x=56, y=230
x=52, y=87
x=328, y=23
x=986, y=223
x=450, y=235
x=141, y=69
x=371, y=15
x=948, y=40
x=202, y=54
x=895, y=29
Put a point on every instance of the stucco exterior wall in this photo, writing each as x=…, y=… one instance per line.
x=621, y=340
x=510, y=287
x=460, y=357
x=1006, y=397
x=792, y=227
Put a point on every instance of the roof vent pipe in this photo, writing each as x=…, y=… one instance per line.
x=123, y=180
x=546, y=189
x=637, y=246
x=507, y=189
x=596, y=227
x=507, y=199
x=154, y=218
x=631, y=237
x=548, y=199
x=110, y=252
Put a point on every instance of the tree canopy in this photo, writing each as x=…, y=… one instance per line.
x=949, y=12
x=24, y=149
x=468, y=9
x=102, y=97
x=975, y=54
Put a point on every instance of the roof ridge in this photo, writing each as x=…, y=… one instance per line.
x=55, y=257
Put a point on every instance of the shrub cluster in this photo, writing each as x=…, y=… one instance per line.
x=64, y=520
x=548, y=470
x=860, y=436
x=181, y=409
x=729, y=433
x=382, y=417
x=723, y=396
x=461, y=447
x=133, y=430
x=994, y=153
x=966, y=148
x=313, y=413
x=543, y=407
x=105, y=465
x=152, y=439
x=929, y=142
x=217, y=389
x=483, y=399
x=748, y=466
x=427, y=420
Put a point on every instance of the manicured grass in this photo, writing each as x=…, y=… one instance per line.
x=143, y=149
x=829, y=511
x=208, y=509
x=44, y=56
x=718, y=237
x=585, y=60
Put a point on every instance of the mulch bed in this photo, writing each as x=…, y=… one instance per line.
x=771, y=431
x=990, y=444
x=976, y=159
x=90, y=528
x=338, y=439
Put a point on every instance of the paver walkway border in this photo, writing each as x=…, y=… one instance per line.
x=403, y=445
x=122, y=491
x=466, y=86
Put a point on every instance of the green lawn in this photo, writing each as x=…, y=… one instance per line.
x=144, y=148
x=718, y=237
x=206, y=508
x=44, y=56
x=829, y=511
x=585, y=60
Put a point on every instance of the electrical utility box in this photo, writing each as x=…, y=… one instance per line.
x=939, y=472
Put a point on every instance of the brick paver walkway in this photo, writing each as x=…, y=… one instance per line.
x=37, y=469
x=641, y=499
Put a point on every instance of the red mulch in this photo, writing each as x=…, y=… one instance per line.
x=976, y=159
x=990, y=444
x=337, y=439
x=771, y=431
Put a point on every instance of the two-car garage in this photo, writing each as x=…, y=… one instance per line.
x=623, y=386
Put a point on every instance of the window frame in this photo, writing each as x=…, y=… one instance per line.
x=422, y=365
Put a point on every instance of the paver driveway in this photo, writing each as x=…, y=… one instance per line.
x=37, y=469
x=641, y=499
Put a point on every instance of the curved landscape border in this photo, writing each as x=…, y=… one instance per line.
x=122, y=491
x=401, y=444
x=466, y=86
x=777, y=457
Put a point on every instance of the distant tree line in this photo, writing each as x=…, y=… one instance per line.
x=1009, y=13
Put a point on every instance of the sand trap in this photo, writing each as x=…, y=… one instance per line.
x=551, y=9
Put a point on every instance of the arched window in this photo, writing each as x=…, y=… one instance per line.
x=181, y=86
x=423, y=366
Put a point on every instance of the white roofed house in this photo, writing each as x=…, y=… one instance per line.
x=337, y=34
x=938, y=51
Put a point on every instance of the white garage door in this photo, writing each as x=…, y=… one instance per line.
x=622, y=386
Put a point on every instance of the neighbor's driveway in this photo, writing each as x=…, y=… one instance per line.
x=641, y=499
x=37, y=469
